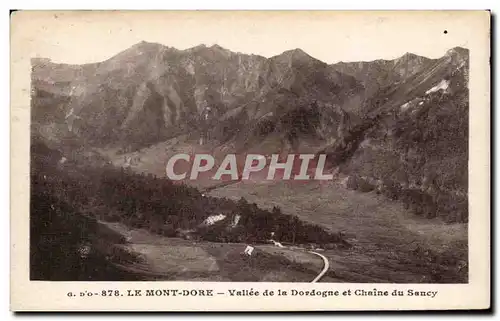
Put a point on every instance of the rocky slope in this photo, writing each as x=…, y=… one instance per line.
x=150, y=92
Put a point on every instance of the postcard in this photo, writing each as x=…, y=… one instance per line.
x=250, y=160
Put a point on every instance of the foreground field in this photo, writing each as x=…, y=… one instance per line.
x=161, y=258
x=388, y=243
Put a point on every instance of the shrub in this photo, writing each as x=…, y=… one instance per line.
x=365, y=186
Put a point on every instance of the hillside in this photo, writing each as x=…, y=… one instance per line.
x=414, y=145
x=158, y=205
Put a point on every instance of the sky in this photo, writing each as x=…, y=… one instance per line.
x=84, y=37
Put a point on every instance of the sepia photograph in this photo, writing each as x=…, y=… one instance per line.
x=199, y=153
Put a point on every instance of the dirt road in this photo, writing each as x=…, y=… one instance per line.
x=325, y=268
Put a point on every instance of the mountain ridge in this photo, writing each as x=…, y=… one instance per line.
x=151, y=92
x=202, y=45
x=209, y=75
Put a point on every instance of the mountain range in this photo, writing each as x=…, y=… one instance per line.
x=402, y=122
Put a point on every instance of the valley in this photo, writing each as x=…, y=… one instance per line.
x=394, y=132
x=389, y=244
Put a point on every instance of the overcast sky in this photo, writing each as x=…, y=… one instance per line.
x=331, y=37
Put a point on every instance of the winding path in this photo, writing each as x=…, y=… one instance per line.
x=325, y=268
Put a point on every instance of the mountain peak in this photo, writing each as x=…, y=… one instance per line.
x=213, y=51
x=141, y=48
x=458, y=51
x=205, y=47
x=145, y=45
x=409, y=56
x=296, y=55
x=216, y=46
x=457, y=54
x=198, y=47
